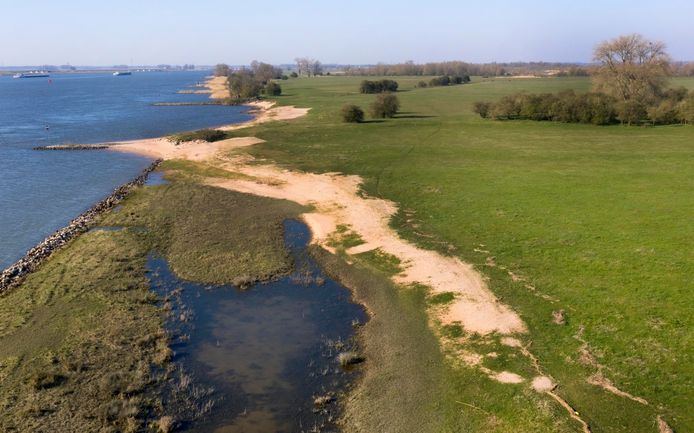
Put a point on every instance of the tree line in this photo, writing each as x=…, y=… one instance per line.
x=445, y=80
x=459, y=68
x=629, y=86
x=380, y=86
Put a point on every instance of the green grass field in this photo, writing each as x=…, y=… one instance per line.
x=596, y=219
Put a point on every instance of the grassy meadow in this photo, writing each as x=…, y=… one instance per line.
x=591, y=221
x=594, y=221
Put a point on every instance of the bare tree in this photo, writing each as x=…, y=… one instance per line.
x=631, y=68
x=308, y=66
x=302, y=65
x=222, y=70
x=316, y=67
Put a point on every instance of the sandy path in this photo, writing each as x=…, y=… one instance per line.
x=265, y=111
x=218, y=88
x=337, y=200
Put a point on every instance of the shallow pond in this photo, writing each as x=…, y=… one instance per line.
x=256, y=360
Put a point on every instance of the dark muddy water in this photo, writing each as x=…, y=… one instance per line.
x=255, y=360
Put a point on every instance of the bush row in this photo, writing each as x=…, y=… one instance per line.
x=381, y=86
x=445, y=80
x=209, y=135
x=673, y=106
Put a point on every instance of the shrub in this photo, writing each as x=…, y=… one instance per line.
x=482, y=108
x=446, y=80
x=385, y=105
x=602, y=109
x=422, y=84
x=284, y=77
x=352, y=114
x=686, y=110
x=273, y=89
x=345, y=359
x=507, y=108
x=631, y=111
x=209, y=135
x=665, y=113
x=567, y=106
x=294, y=75
x=378, y=86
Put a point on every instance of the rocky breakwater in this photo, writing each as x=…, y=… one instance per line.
x=15, y=274
x=73, y=147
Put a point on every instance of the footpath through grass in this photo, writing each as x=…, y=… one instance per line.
x=595, y=221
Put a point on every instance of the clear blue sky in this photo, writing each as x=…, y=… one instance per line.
x=106, y=32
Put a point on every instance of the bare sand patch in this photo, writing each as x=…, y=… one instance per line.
x=337, y=199
x=663, y=426
x=542, y=384
x=266, y=112
x=192, y=150
x=507, y=377
x=201, y=150
x=599, y=380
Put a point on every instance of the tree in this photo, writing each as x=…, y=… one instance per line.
x=243, y=85
x=385, y=105
x=632, y=69
x=316, y=68
x=308, y=66
x=352, y=114
x=273, y=89
x=265, y=72
x=222, y=70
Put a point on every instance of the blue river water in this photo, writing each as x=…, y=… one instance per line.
x=42, y=191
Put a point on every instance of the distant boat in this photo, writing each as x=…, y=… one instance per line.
x=31, y=75
x=121, y=73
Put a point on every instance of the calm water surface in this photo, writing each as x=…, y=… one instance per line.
x=256, y=358
x=42, y=191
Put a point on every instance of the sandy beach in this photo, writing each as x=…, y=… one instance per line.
x=217, y=87
x=162, y=147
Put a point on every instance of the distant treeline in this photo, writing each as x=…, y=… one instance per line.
x=453, y=68
x=445, y=80
x=672, y=107
x=458, y=68
x=683, y=69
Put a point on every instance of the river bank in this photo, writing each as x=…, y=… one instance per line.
x=14, y=275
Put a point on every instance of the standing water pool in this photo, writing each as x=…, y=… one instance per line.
x=263, y=359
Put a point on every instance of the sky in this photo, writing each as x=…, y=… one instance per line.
x=97, y=32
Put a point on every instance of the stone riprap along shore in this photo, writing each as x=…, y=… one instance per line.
x=73, y=147
x=15, y=274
